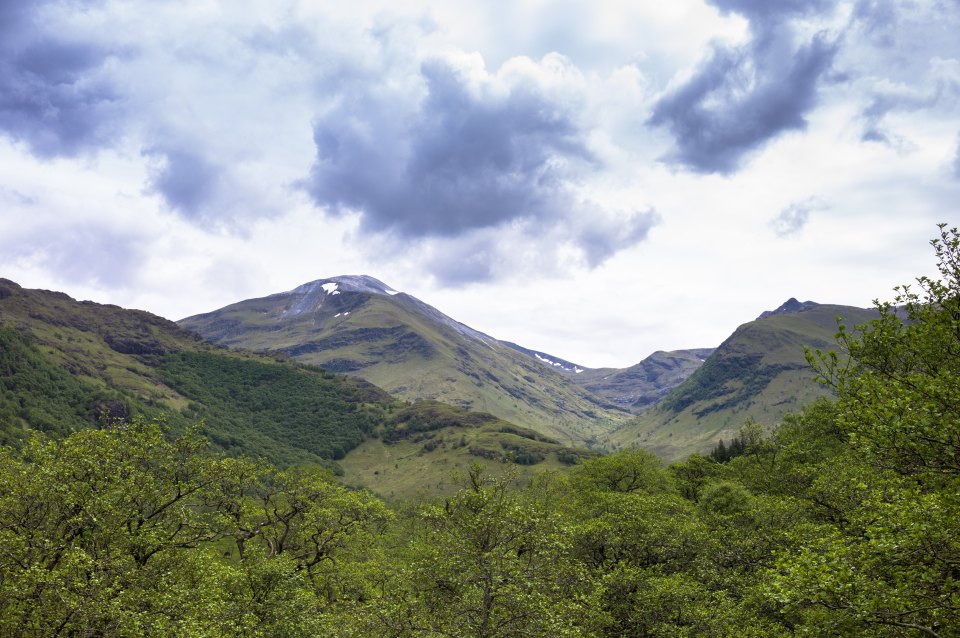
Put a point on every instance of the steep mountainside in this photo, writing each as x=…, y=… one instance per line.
x=361, y=326
x=639, y=387
x=758, y=373
x=67, y=365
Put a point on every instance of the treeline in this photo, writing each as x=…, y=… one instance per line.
x=845, y=521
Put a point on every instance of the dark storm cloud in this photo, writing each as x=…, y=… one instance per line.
x=766, y=13
x=51, y=96
x=466, y=262
x=589, y=240
x=461, y=160
x=742, y=97
x=184, y=178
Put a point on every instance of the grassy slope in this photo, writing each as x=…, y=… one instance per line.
x=393, y=343
x=423, y=445
x=66, y=363
x=63, y=363
x=758, y=373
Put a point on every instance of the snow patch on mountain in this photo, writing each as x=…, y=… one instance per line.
x=556, y=364
x=345, y=283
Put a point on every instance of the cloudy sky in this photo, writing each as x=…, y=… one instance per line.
x=597, y=179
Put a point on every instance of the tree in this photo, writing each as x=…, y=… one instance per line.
x=106, y=531
x=628, y=471
x=898, y=388
x=886, y=562
x=123, y=531
x=487, y=563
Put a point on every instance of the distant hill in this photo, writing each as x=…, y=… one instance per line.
x=641, y=386
x=758, y=373
x=67, y=365
x=361, y=326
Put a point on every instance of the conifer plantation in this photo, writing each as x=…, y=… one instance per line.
x=844, y=520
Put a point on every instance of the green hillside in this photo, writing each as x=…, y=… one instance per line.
x=359, y=326
x=67, y=365
x=759, y=373
x=424, y=445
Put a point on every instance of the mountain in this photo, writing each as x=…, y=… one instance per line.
x=758, y=373
x=67, y=365
x=641, y=386
x=363, y=327
x=788, y=306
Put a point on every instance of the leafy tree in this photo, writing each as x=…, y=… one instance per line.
x=628, y=471
x=488, y=563
x=899, y=389
x=886, y=562
x=97, y=533
x=123, y=532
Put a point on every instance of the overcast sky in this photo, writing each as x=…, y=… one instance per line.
x=598, y=180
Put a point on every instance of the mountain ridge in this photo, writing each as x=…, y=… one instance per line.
x=67, y=365
x=791, y=305
x=362, y=326
x=759, y=373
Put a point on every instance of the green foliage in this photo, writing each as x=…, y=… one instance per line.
x=488, y=563
x=628, y=471
x=37, y=394
x=886, y=562
x=739, y=445
x=284, y=413
x=428, y=416
x=900, y=393
x=123, y=532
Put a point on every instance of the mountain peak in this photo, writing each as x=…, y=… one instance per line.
x=788, y=306
x=346, y=283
